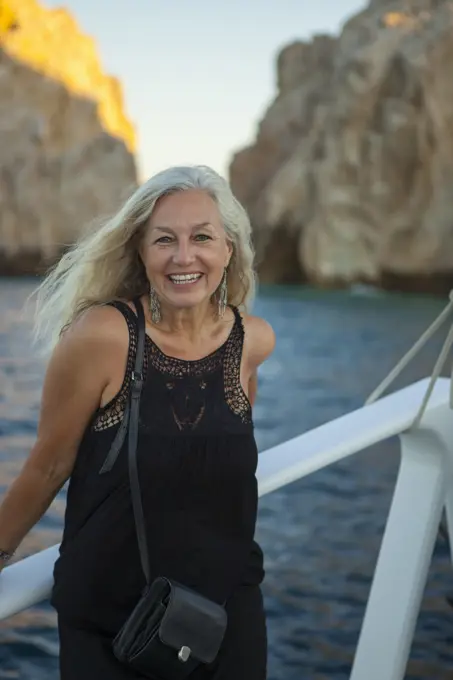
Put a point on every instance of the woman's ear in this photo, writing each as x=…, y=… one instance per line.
x=229, y=253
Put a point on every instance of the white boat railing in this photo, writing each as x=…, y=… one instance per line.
x=423, y=488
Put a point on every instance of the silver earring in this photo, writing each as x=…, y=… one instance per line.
x=154, y=306
x=223, y=294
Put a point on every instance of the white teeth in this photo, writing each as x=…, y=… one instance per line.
x=185, y=278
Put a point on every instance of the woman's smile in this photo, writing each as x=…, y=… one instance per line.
x=185, y=280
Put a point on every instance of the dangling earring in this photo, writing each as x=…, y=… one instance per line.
x=154, y=306
x=223, y=294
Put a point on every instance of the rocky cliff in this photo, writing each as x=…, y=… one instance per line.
x=66, y=145
x=350, y=178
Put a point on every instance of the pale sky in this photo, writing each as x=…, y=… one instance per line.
x=198, y=75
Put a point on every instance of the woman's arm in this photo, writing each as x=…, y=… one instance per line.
x=76, y=376
x=259, y=344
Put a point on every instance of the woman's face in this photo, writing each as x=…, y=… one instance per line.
x=185, y=249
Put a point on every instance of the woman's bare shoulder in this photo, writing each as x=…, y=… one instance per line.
x=99, y=323
x=260, y=338
x=88, y=351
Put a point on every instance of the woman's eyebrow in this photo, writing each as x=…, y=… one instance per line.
x=171, y=231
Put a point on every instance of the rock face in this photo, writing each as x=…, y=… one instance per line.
x=66, y=145
x=351, y=175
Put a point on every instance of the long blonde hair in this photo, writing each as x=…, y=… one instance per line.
x=104, y=264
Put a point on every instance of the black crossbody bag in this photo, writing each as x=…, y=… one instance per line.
x=172, y=629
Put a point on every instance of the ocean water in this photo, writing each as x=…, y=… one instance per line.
x=321, y=534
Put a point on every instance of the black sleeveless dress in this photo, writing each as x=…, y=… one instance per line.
x=197, y=460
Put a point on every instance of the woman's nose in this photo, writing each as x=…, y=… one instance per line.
x=184, y=254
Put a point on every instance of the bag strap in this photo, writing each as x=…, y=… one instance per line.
x=121, y=434
x=136, y=389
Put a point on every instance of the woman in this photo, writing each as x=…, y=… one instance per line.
x=181, y=247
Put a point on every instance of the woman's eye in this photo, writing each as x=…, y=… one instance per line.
x=164, y=239
x=202, y=237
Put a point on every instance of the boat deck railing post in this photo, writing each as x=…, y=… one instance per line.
x=406, y=550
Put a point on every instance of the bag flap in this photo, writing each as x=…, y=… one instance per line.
x=193, y=621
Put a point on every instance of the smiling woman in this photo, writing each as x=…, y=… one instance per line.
x=148, y=325
x=185, y=250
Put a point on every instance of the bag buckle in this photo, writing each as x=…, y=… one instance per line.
x=184, y=653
